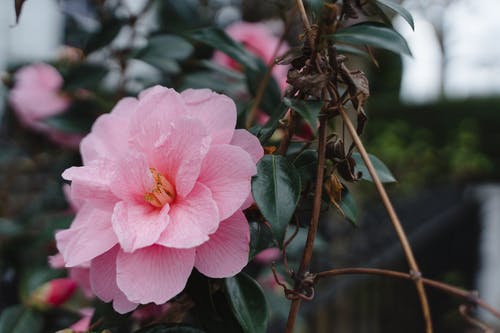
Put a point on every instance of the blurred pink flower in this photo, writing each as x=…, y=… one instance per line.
x=259, y=40
x=36, y=96
x=161, y=192
x=268, y=255
x=53, y=293
x=83, y=324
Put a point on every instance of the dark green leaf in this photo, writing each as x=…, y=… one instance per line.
x=248, y=303
x=77, y=119
x=163, y=52
x=169, y=328
x=373, y=34
x=309, y=110
x=104, y=35
x=261, y=238
x=352, y=50
x=398, y=9
x=219, y=40
x=267, y=131
x=272, y=94
x=348, y=206
x=17, y=319
x=306, y=164
x=276, y=190
x=383, y=172
x=86, y=76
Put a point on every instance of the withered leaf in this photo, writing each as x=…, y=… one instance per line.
x=311, y=84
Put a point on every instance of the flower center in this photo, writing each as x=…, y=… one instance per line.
x=163, y=191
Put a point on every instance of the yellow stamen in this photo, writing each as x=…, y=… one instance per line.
x=163, y=192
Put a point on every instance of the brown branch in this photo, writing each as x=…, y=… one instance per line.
x=306, y=258
x=469, y=296
x=394, y=219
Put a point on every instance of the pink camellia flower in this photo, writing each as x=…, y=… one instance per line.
x=160, y=192
x=259, y=40
x=36, y=96
x=83, y=324
x=80, y=274
x=53, y=293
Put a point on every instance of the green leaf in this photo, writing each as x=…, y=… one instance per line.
x=352, y=50
x=78, y=118
x=272, y=94
x=219, y=40
x=104, y=35
x=88, y=76
x=276, y=190
x=383, y=172
x=248, y=303
x=267, y=131
x=398, y=9
x=373, y=34
x=163, y=52
x=9, y=228
x=306, y=164
x=17, y=319
x=309, y=110
x=349, y=207
x=261, y=238
x=169, y=328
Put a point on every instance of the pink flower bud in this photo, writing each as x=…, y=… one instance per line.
x=53, y=293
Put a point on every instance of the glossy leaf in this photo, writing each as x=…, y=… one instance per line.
x=261, y=238
x=398, y=9
x=383, y=172
x=169, y=328
x=163, y=52
x=267, y=131
x=276, y=190
x=248, y=303
x=373, y=34
x=219, y=40
x=349, y=207
x=309, y=110
x=18, y=319
x=104, y=35
x=306, y=164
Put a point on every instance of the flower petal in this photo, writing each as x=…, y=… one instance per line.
x=249, y=143
x=109, y=133
x=226, y=253
x=217, y=112
x=154, y=274
x=103, y=281
x=91, y=182
x=90, y=235
x=138, y=226
x=131, y=178
x=157, y=108
x=179, y=155
x=227, y=171
x=192, y=219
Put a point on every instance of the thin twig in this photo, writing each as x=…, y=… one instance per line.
x=394, y=219
x=465, y=294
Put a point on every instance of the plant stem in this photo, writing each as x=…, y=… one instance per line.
x=467, y=295
x=394, y=219
x=308, y=249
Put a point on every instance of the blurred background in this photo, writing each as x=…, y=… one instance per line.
x=432, y=118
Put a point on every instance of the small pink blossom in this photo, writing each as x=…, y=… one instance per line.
x=36, y=96
x=53, y=293
x=161, y=191
x=259, y=40
x=83, y=324
x=79, y=274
